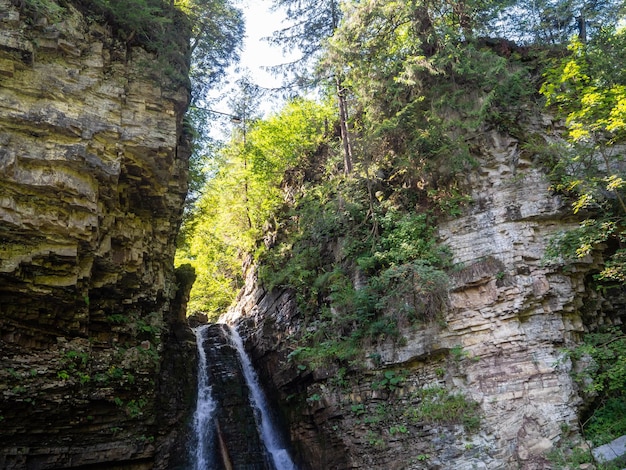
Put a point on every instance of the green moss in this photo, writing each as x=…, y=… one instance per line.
x=36, y=9
x=438, y=405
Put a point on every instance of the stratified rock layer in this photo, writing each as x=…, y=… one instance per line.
x=92, y=181
x=498, y=345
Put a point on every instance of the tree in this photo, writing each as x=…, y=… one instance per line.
x=313, y=23
x=243, y=195
x=554, y=22
x=588, y=89
x=217, y=29
x=244, y=107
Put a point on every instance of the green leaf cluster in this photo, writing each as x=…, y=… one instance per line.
x=360, y=269
x=588, y=89
x=242, y=197
x=438, y=405
x=601, y=372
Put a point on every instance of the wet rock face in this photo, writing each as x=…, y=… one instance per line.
x=498, y=344
x=92, y=180
x=236, y=438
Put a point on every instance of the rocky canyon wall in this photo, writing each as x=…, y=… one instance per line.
x=93, y=162
x=484, y=387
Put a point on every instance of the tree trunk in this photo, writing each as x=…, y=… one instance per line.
x=343, y=123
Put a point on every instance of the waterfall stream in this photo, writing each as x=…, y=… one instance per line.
x=269, y=432
x=205, y=409
x=210, y=451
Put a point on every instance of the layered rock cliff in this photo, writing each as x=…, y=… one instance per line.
x=93, y=162
x=486, y=385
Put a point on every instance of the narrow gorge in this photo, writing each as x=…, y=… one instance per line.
x=393, y=313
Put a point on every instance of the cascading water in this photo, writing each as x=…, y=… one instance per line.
x=232, y=427
x=269, y=433
x=205, y=409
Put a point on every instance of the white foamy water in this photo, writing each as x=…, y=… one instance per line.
x=269, y=433
x=205, y=409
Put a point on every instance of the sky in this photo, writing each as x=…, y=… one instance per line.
x=260, y=23
x=256, y=53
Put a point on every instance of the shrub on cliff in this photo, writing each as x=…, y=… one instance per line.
x=588, y=89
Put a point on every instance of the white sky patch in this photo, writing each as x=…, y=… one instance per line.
x=258, y=53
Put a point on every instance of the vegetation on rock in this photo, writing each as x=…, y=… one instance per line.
x=204, y=33
x=588, y=89
x=341, y=207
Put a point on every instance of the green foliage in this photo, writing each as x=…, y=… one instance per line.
x=118, y=318
x=549, y=22
x=421, y=82
x=438, y=405
x=588, y=89
x=568, y=455
x=358, y=409
x=314, y=398
x=217, y=29
x=243, y=197
x=311, y=23
x=49, y=9
x=143, y=19
x=375, y=440
x=63, y=375
x=135, y=408
x=390, y=381
x=394, y=251
x=601, y=372
x=399, y=429
x=607, y=422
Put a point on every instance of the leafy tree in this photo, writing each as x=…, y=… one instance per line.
x=243, y=196
x=217, y=29
x=313, y=23
x=423, y=86
x=588, y=89
x=554, y=22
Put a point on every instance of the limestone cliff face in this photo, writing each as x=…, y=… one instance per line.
x=92, y=180
x=498, y=344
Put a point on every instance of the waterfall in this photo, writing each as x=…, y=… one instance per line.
x=269, y=431
x=232, y=426
x=205, y=409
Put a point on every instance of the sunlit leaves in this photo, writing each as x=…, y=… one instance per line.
x=589, y=92
x=241, y=196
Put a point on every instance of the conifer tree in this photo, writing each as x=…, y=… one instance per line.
x=313, y=23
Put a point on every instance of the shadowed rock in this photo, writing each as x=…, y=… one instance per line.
x=239, y=446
